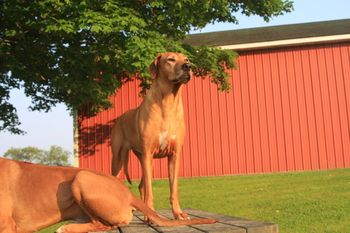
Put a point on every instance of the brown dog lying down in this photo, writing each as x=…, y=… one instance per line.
x=34, y=196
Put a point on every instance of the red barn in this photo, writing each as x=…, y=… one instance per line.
x=288, y=110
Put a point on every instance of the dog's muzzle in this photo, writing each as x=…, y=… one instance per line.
x=183, y=79
x=186, y=76
x=186, y=67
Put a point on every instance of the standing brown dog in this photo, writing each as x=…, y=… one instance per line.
x=156, y=128
x=33, y=197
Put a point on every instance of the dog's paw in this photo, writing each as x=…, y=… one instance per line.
x=100, y=226
x=60, y=230
x=181, y=216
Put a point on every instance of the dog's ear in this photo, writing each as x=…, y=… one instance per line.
x=154, y=66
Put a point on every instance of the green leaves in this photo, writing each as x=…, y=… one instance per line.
x=8, y=114
x=56, y=156
x=267, y=8
x=213, y=63
x=80, y=52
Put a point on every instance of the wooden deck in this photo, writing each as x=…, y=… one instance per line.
x=224, y=224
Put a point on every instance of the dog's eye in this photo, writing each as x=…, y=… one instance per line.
x=171, y=59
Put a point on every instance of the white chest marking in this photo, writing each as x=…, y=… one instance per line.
x=163, y=140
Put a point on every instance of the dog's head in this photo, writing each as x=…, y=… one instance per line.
x=175, y=67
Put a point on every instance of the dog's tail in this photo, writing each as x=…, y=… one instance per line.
x=153, y=216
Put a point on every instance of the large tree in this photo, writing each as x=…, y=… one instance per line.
x=78, y=52
x=56, y=156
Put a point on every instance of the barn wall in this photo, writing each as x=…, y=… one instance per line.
x=289, y=110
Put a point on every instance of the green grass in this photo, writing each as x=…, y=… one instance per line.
x=305, y=202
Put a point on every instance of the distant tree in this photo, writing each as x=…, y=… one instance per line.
x=56, y=156
x=80, y=52
x=26, y=154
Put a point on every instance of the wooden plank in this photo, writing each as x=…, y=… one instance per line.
x=217, y=227
x=136, y=226
x=113, y=231
x=249, y=225
x=225, y=224
x=167, y=214
x=182, y=229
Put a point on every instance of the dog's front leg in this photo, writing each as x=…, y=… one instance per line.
x=173, y=172
x=147, y=170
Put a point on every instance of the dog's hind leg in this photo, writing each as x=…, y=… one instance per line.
x=7, y=225
x=104, y=199
x=120, y=153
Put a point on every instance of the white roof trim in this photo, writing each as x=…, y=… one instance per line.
x=288, y=42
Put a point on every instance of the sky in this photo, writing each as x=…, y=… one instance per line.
x=56, y=127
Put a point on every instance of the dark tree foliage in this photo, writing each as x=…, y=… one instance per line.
x=80, y=52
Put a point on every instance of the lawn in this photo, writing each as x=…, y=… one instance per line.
x=303, y=202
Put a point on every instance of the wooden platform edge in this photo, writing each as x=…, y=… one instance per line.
x=225, y=224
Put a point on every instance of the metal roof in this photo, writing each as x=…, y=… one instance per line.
x=272, y=36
